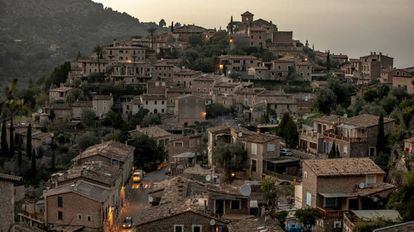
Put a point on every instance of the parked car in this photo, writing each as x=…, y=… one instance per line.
x=285, y=152
x=127, y=224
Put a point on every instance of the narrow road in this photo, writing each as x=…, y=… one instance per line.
x=137, y=199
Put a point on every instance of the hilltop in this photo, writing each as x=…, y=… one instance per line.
x=37, y=35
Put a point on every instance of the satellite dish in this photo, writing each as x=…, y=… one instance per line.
x=150, y=199
x=212, y=222
x=361, y=185
x=208, y=178
x=245, y=190
x=40, y=111
x=240, y=134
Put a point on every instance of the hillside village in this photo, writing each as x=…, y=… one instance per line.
x=195, y=129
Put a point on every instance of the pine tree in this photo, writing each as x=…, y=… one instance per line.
x=4, y=145
x=381, y=143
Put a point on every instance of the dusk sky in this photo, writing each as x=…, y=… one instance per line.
x=353, y=27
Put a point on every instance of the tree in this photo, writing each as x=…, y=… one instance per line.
x=11, y=136
x=196, y=40
x=328, y=61
x=114, y=119
x=326, y=101
x=216, y=110
x=29, y=141
x=403, y=198
x=88, y=117
x=4, y=145
x=147, y=154
x=230, y=157
x=333, y=153
x=308, y=217
x=52, y=115
x=291, y=134
x=288, y=130
x=86, y=140
x=152, y=31
x=272, y=191
x=151, y=119
x=162, y=23
x=381, y=142
x=99, y=52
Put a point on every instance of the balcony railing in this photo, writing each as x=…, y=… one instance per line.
x=345, y=138
x=330, y=213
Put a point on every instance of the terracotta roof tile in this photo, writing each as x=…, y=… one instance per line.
x=343, y=167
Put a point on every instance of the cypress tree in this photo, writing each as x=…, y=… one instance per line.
x=11, y=138
x=19, y=151
x=328, y=61
x=381, y=143
x=33, y=164
x=332, y=154
x=29, y=141
x=4, y=145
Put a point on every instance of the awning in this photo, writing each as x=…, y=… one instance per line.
x=334, y=195
x=185, y=155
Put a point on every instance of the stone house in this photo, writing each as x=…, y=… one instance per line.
x=78, y=107
x=89, y=66
x=203, y=86
x=80, y=204
x=371, y=65
x=403, y=79
x=278, y=101
x=304, y=70
x=7, y=198
x=185, y=77
x=359, y=178
x=161, y=136
x=235, y=63
x=164, y=69
x=180, y=144
x=185, y=32
x=355, y=136
x=189, y=110
x=260, y=149
x=59, y=94
x=178, y=217
x=117, y=52
x=172, y=93
x=110, y=153
x=102, y=104
x=131, y=73
x=154, y=103
x=62, y=112
x=353, y=217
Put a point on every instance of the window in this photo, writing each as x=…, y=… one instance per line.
x=60, y=215
x=371, y=179
x=331, y=202
x=197, y=228
x=178, y=228
x=60, y=202
x=254, y=149
x=308, y=198
x=80, y=217
x=305, y=175
x=89, y=218
x=253, y=167
x=271, y=147
x=235, y=204
x=115, y=162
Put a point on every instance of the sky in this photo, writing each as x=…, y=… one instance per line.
x=352, y=27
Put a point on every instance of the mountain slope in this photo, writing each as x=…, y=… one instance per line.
x=37, y=35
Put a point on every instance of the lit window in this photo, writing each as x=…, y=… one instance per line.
x=308, y=198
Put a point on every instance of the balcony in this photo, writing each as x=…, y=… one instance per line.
x=330, y=213
x=345, y=138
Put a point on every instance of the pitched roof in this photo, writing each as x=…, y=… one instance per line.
x=364, y=120
x=153, y=97
x=343, y=167
x=386, y=214
x=61, y=89
x=154, y=132
x=247, y=13
x=11, y=178
x=109, y=149
x=261, y=138
x=253, y=224
x=95, y=171
x=83, y=188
